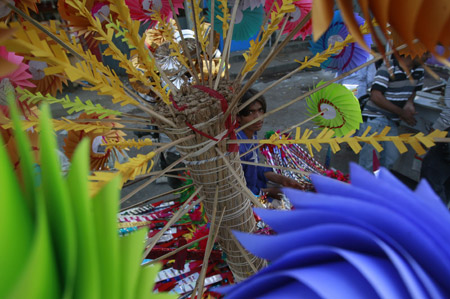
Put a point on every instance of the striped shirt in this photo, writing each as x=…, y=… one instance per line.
x=397, y=89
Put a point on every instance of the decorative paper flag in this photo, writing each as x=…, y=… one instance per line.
x=339, y=106
x=349, y=57
x=20, y=77
x=247, y=23
x=141, y=10
x=373, y=238
x=302, y=8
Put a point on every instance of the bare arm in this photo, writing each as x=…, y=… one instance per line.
x=282, y=180
x=406, y=113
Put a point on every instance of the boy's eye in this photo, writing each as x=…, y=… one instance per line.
x=260, y=110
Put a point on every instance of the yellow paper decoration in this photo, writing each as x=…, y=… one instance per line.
x=128, y=171
x=128, y=143
x=326, y=137
x=276, y=16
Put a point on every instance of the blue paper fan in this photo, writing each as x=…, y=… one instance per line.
x=351, y=56
x=373, y=238
x=248, y=21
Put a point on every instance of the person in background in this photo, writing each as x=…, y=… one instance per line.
x=391, y=100
x=256, y=177
x=362, y=78
x=436, y=163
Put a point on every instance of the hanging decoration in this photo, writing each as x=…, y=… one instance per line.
x=424, y=20
x=415, y=50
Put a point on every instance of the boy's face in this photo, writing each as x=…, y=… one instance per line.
x=255, y=111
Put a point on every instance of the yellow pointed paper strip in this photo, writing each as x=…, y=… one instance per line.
x=128, y=171
x=326, y=137
x=128, y=143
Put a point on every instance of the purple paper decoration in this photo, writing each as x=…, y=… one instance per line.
x=373, y=238
x=348, y=58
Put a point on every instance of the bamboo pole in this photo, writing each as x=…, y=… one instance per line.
x=265, y=63
x=227, y=46
x=277, y=167
x=156, y=197
x=211, y=237
x=376, y=57
x=297, y=125
x=211, y=41
x=239, y=77
x=282, y=132
x=136, y=190
x=197, y=33
x=128, y=196
x=239, y=180
x=244, y=253
x=209, y=246
x=111, y=120
x=150, y=243
x=184, y=45
x=280, y=33
x=144, y=176
x=169, y=254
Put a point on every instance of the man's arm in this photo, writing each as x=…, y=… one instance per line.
x=407, y=114
x=282, y=180
x=410, y=109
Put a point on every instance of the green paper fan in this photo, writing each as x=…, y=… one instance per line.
x=341, y=111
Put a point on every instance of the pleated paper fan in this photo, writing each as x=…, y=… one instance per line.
x=302, y=8
x=252, y=4
x=341, y=110
x=141, y=10
x=20, y=77
x=349, y=57
x=372, y=238
x=247, y=23
x=98, y=160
